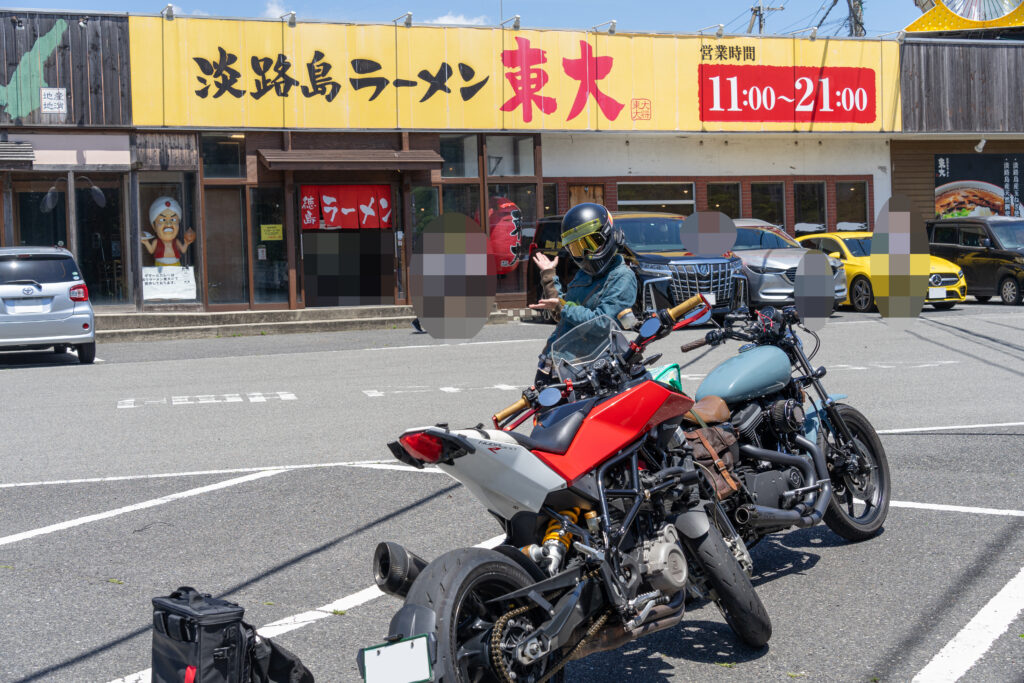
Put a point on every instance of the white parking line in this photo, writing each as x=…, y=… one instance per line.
x=947, y=427
x=975, y=639
x=7, y=540
x=297, y=621
x=956, y=508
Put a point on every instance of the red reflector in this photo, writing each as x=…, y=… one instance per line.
x=422, y=446
x=79, y=293
x=85, y=326
x=190, y=674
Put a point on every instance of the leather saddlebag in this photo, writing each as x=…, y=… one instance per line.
x=715, y=450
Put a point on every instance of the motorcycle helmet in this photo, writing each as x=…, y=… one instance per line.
x=590, y=237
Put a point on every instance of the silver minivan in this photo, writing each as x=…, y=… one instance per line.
x=44, y=302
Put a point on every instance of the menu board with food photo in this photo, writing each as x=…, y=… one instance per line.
x=977, y=185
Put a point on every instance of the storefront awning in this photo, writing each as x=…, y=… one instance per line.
x=350, y=159
x=14, y=155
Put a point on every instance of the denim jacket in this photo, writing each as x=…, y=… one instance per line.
x=588, y=297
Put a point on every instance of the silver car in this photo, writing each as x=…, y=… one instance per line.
x=44, y=302
x=770, y=259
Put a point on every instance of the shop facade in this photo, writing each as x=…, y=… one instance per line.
x=257, y=165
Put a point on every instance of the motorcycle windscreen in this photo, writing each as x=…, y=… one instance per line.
x=615, y=423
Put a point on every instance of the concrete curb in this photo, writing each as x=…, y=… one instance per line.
x=206, y=331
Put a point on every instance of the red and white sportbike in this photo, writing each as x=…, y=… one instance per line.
x=606, y=520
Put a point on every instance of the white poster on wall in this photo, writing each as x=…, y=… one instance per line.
x=169, y=282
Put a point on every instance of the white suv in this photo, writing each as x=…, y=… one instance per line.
x=44, y=302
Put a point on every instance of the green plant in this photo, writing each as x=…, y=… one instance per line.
x=268, y=603
x=727, y=665
x=338, y=612
x=117, y=581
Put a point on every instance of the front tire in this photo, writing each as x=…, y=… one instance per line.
x=982, y=299
x=862, y=296
x=944, y=305
x=457, y=586
x=860, y=500
x=743, y=609
x=1009, y=291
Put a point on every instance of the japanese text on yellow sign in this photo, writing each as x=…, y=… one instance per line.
x=235, y=74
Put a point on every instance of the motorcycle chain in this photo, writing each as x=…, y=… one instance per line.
x=498, y=663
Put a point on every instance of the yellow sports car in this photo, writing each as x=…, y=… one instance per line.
x=946, y=284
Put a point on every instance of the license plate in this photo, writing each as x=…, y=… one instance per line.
x=407, y=661
x=936, y=292
x=25, y=306
x=710, y=297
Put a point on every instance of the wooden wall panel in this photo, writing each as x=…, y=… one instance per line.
x=960, y=87
x=87, y=56
x=166, y=151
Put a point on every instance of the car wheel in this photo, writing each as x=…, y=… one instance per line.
x=944, y=305
x=60, y=348
x=86, y=352
x=861, y=295
x=1009, y=291
x=982, y=299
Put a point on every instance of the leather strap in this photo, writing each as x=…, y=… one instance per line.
x=719, y=464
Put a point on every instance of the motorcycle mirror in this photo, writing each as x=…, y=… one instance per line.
x=549, y=397
x=650, y=327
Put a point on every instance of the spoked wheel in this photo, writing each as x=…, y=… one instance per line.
x=861, y=295
x=459, y=586
x=860, y=481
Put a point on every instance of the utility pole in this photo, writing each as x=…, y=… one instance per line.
x=856, y=19
x=758, y=12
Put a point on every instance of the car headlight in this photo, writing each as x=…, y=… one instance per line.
x=959, y=275
x=763, y=270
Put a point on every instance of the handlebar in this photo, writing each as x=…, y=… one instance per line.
x=692, y=346
x=501, y=415
x=682, y=309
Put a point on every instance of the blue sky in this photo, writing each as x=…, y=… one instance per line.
x=679, y=16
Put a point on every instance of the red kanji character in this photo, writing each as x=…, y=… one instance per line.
x=589, y=69
x=528, y=81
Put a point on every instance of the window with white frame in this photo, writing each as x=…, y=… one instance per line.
x=663, y=197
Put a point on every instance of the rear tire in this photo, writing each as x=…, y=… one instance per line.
x=86, y=352
x=743, y=609
x=871, y=490
x=457, y=586
x=1009, y=291
x=944, y=305
x=982, y=299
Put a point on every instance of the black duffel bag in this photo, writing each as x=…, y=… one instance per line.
x=201, y=639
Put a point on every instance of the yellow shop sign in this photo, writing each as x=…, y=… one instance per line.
x=216, y=73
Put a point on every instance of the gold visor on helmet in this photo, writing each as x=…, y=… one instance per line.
x=584, y=240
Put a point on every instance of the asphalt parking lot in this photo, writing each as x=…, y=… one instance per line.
x=255, y=469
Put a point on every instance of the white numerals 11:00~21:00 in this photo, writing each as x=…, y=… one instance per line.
x=757, y=98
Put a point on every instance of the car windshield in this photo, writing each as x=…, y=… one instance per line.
x=652, y=234
x=584, y=344
x=858, y=246
x=755, y=238
x=1010, y=235
x=42, y=269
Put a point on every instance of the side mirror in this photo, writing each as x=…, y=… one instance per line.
x=986, y=242
x=835, y=255
x=650, y=327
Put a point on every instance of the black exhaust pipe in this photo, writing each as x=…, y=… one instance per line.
x=395, y=568
x=760, y=516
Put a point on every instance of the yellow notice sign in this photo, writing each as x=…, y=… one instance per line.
x=271, y=231
x=218, y=73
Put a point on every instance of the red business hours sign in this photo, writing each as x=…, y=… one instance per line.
x=345, y=207
x=730, y=92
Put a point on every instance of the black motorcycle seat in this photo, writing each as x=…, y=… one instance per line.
x=555, y=438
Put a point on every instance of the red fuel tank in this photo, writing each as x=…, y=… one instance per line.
x=615, y=423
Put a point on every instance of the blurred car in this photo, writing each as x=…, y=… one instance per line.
x=989, y=250
x=770, y=260
x=946, y=285
x=667, y=273
x=44, y=302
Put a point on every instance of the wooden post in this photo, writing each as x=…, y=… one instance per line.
x=71, y=216
x=290, y=233
x=8, y=218
x=134, y=246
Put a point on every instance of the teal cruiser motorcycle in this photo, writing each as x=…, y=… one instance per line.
x=801, y=457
